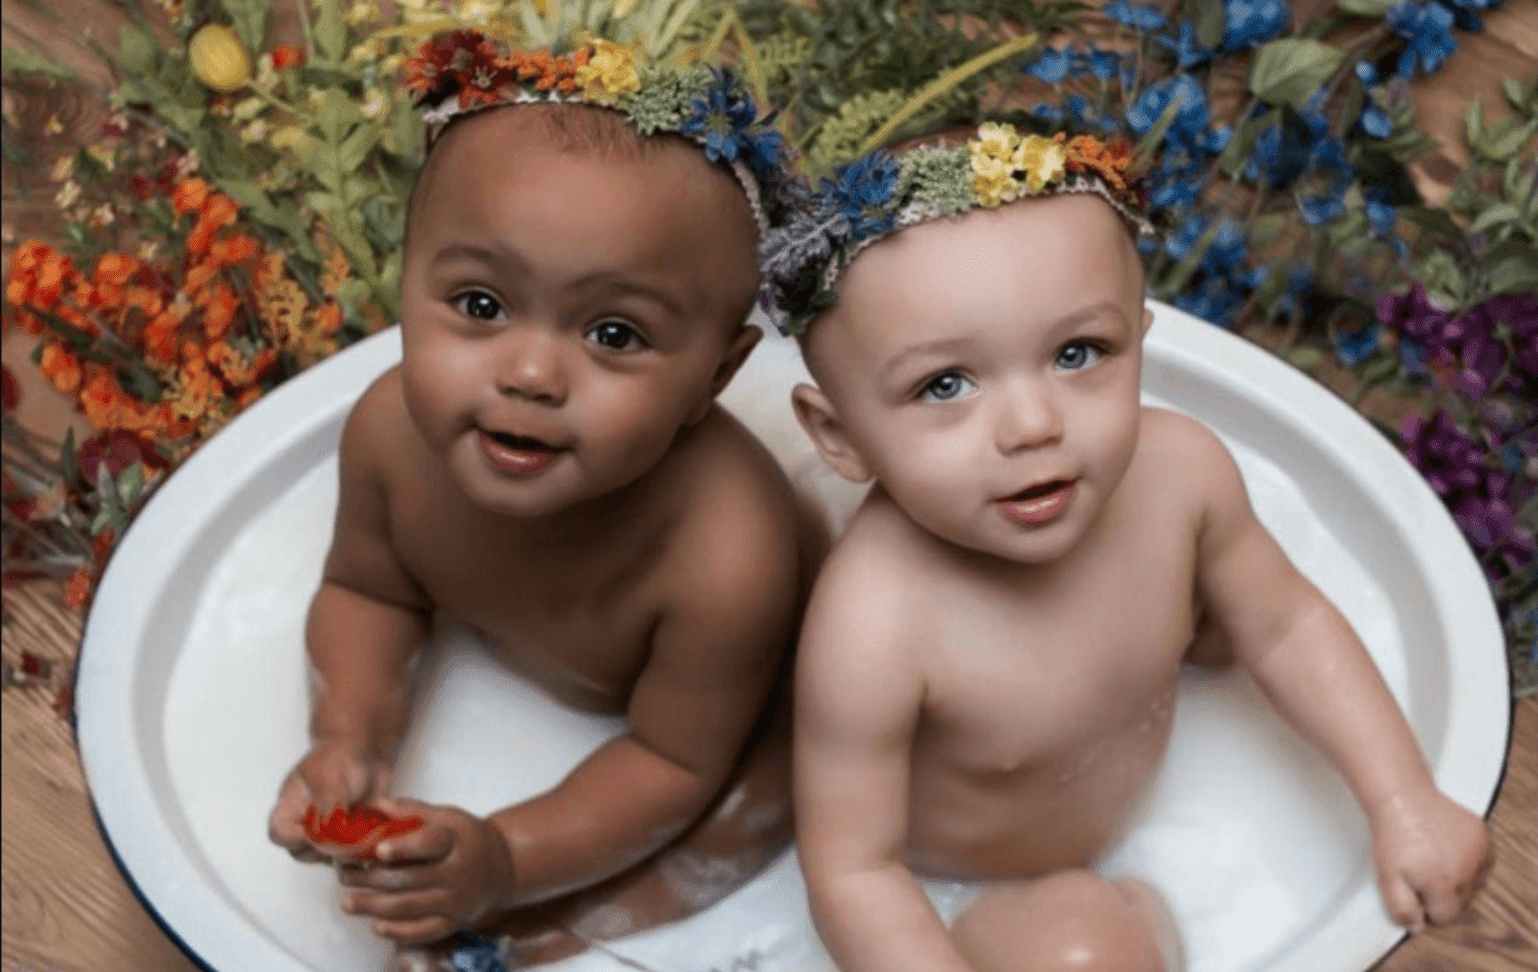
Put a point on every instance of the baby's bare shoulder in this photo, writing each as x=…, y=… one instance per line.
x=378, y=426
x=1181, y=453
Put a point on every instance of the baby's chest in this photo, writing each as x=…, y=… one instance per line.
x=577, y=631
x=1022, y=683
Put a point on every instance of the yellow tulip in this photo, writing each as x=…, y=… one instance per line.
x=218, y=59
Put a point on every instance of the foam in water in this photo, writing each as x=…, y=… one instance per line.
x=1251, y=837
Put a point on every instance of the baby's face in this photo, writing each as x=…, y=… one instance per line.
x=565, y=313
x=985, y=370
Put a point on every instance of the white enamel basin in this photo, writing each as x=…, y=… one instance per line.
x=191, y=691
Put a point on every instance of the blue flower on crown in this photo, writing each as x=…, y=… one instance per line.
x=1425, y=28
x=720, y=120
x=862, y=193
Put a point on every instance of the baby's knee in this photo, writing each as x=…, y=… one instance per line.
x=1075, y=921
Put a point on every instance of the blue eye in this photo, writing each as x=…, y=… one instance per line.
x=946, y=387
x=479, y=305
x=615, y=335
x=1077, y=356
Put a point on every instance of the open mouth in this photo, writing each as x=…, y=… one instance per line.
x=519, y=454
x=1040, y=503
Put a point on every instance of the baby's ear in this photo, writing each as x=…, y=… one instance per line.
x=1147, y=320
x=731, y=360
x=820, y=420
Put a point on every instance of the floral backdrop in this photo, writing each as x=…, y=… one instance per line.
x=241, y=214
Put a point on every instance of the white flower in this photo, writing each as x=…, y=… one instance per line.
x=67, y=195
x=63, y=168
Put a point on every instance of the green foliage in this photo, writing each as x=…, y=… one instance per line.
x=1289, y=71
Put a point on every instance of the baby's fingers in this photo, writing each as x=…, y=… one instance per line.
x=416, y=932
x=1404, y=905
x=431, y=843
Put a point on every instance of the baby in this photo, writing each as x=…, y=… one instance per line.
x=1038, y=556
x=548, y=465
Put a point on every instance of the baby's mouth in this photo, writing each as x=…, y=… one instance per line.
x=519, y=454
x=1038, y=491
x=1040, y=503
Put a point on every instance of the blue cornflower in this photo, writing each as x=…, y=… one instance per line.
x=1250, y=23
x=1190, y=118
x=764, y=150
x=1375, y=121
x=1300, y=277
x=1278, y=155
x=721, y=118
x=1328, y=160
x=1049, y=113
x=476, y=954
x=1381, y=216
x=861, y=193
x=1052, y=66
x=1102, y=64
x=1354, y=348
x=1177, y=182
x=1143, y=17
x=1228, y=249
x=1189, y=52
x=1184, y=238
x=1215, y=301
x=1321, y=208
x=1425, y=29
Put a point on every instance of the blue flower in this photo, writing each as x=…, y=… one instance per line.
x=1228, y=249
x=476, y=953
x=1052, y=66
x=1381, y=216
x=1353, y=349
x=1142, y=17
x=1464, y=17
x=765, y=150
x=1425, y=28
x=1250, y=23
x=1184, y=238
x=1177, y=182
x=1375, y=121
x=1051, y=114
x=720, y=119
x=1102, y=64
x=862, y=193
x=1321, y=208
x=1327, y=161
x=1188, y=50
x=1214, y=301
x=1190, y=118
x=1300, y=277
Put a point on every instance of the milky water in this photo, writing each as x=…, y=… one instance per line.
x=1249, y=835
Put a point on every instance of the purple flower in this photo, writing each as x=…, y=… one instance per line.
x=1250, y=23
x=1425, y=29
x=1451, y=461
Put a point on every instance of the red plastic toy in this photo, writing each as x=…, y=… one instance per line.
x=355, y=832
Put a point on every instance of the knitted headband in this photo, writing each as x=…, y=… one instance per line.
x=465, y=71
x=881, y=193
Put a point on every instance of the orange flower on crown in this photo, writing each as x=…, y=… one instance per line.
x=188, y=195
x=103, y=400
x=1111, y=162
x=219, y=305
x=161, y=338
x=233, y=249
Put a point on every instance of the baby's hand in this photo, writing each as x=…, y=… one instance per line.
x=1432, y=856
x=431, y=882
x=331, y=775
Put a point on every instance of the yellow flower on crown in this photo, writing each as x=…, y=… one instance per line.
x=610, y=71
x=995, y=141
x=1043, y=161
x=994, y=182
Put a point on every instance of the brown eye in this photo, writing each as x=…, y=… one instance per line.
x=479, y=305
x=615, y=335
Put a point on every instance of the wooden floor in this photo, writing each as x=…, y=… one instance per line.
x=67, y=909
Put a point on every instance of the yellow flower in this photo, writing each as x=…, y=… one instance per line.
x=66, y=196
x=63, y=168
x=610, y=71
x=995, y=142
x=1043, y=160
x=993, y=181
x=249, y=108
x=218, y=59
x=103, y=155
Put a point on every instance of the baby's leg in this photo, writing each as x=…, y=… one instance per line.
x=743, y=831
x=1073, y=920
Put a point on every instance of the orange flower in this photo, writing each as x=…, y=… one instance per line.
x=60, y=367
x=1109, y=162
x=233, y=249
x=196, y=387
x=237, y=369
x=147, y=301
x=219, y=210
x=188, y=195
x=248, y=397
x=328, y=317
x=199, y=277
x=77, y=590
x=286, y=56
x=103, y=400
x=160, y=338
x=219, y=305
x=115, y=269
x=54, y=274
x=31, y=254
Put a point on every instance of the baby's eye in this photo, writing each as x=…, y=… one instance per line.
x=615, y=335
x=1077, y=356
x=946, y=387
x=479, y=305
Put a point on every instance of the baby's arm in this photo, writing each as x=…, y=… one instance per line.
x=1431, y=854
x=364, y=624
x=858, y=699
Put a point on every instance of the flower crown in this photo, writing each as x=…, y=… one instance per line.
x=879, y=194
x=465, y=71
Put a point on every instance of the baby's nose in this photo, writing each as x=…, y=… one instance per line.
x=1026, y=416
x=530, y=366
